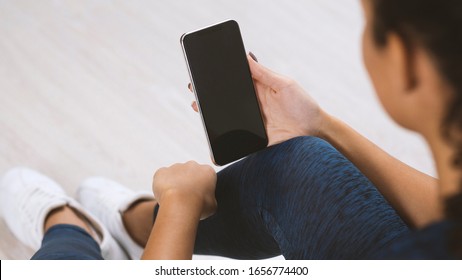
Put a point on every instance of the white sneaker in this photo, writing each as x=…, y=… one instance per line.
x=108, y=200
x=26, y=199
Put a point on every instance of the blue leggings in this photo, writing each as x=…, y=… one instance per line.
x=302, y=199
x=68, y=242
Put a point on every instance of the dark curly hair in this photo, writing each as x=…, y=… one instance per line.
x=435, y=25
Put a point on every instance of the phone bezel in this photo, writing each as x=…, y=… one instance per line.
x=211, y=27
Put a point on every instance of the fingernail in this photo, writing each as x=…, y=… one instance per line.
x=253, y=56
x=189, y=85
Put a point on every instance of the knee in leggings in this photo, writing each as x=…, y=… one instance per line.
x=306, y=148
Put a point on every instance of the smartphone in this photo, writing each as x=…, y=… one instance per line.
x=225, y=93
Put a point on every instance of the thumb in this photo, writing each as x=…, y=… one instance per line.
x=266, y=76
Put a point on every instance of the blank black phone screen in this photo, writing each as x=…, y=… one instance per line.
x=225, y=91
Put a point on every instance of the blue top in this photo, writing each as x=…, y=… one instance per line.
x=430, y=243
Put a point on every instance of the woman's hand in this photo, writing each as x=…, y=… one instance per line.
x=191, y=181
x=185, y=193
x=288, y=111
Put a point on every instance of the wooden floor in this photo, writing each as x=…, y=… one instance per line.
x=99, y=87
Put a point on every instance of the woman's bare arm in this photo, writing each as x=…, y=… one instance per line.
x=174, y=232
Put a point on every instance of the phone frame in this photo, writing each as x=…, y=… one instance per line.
x=194, y=88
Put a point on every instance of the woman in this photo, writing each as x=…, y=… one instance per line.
x=302, y=197
x=413, y=53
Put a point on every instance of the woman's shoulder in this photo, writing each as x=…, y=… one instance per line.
x=431, y=242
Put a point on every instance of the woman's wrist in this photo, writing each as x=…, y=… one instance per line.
x=173, y=233
x=188, y=200
x=326, y=126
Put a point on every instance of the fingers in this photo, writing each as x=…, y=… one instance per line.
x=253, y=56
x=194, y=106
x=194, y=103
x=266, y=76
